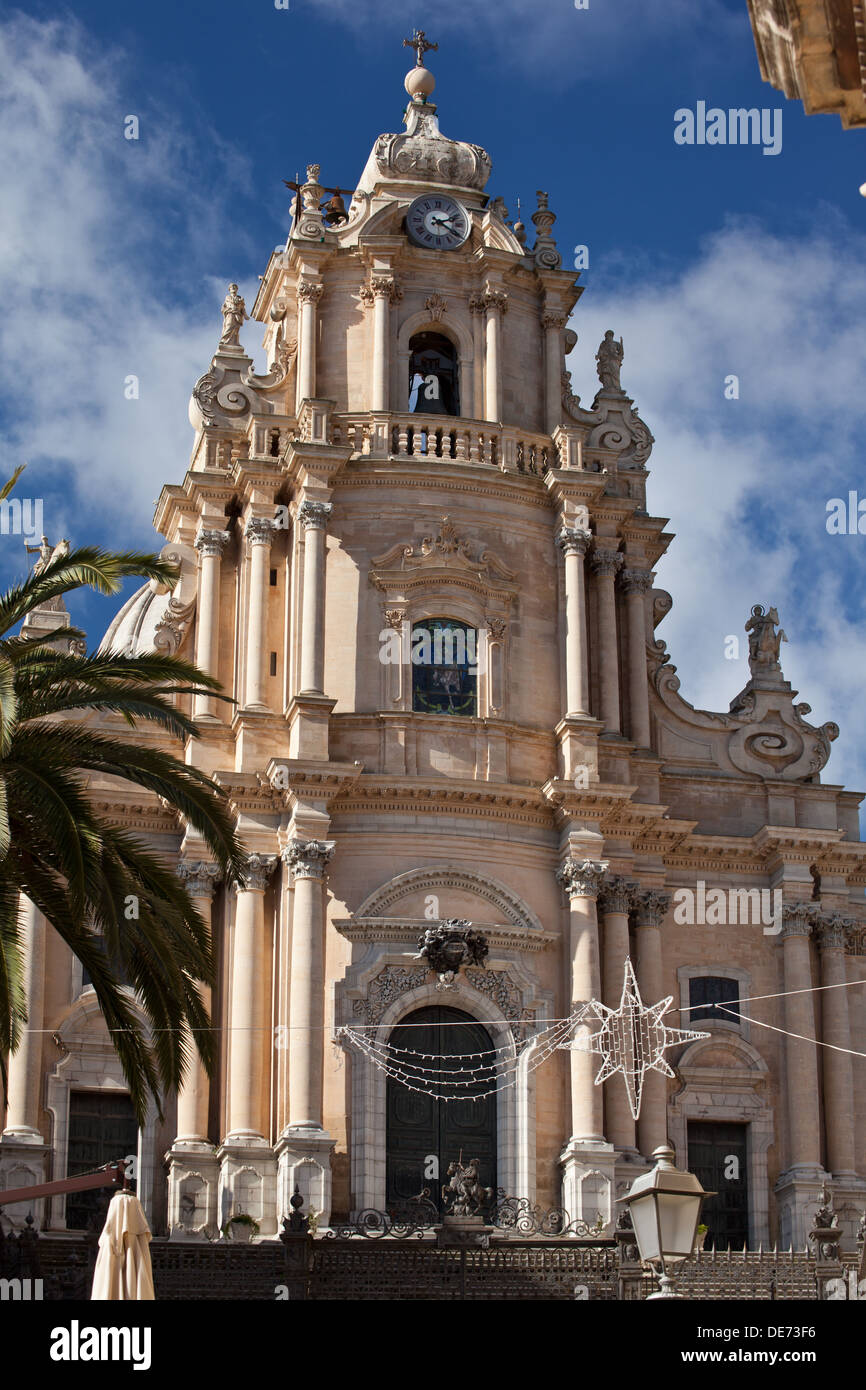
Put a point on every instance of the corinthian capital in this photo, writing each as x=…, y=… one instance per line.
x=260, y=530
x=618, y=894
x=199, y=877
x=572, y=541
x=385, y=287
x=495, y=300
x=651, y=907
x=833, y=933
x=581, y=878
x=309, y=291
x=605, y=562
x=258, y=870
x=308, y=858
x=314, y=514
x=211, y=542
x=798, y=919
x=636, y=581
x=551, y=320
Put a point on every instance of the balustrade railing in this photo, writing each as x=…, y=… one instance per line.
x=428, y=438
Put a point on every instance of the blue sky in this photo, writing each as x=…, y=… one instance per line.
x=114, y=256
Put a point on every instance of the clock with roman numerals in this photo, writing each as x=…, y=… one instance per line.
x=437, y=222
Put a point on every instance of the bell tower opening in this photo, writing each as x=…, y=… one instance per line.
x=434, y=375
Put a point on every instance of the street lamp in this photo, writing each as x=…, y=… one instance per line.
x=665, y=1207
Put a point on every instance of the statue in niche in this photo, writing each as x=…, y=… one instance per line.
x=234, y=313
x=609, y=362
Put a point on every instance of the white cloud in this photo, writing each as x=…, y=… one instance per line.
x=98, y=243
x=552, y=38
x=746, y=482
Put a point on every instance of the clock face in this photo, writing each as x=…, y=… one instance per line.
x=437, y=222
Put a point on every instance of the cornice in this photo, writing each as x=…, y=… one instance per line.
x=477, y=483
x=287, y=777
x=500, y=935
x=155, y=819
x=470, y=798
x=248, y=792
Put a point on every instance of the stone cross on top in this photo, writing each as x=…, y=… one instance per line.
x=419, y=42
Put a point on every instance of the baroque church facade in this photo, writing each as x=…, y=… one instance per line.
x=424, y=572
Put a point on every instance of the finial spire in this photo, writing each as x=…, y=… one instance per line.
x=421, y=46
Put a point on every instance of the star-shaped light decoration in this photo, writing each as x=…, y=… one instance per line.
x=632, y=1038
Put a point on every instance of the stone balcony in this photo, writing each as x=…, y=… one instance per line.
x=454, y=439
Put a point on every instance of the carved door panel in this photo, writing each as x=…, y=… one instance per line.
x=424, y=1134
x=717, y=1157
x=102, y=1128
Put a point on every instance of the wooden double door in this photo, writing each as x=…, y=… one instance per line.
x=718, y=1158
x=424, y=1135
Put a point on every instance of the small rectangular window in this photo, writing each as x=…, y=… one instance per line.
x=273, y=579
x=707, y=992
x=273, y=663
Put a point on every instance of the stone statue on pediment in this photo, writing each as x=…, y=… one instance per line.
x=609, y=362
x=234, y=313
x=764, y=641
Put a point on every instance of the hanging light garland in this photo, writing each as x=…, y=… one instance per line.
x=631, y=1039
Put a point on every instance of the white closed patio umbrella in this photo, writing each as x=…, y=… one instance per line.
x=123, y=1269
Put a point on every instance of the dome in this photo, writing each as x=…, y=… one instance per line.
x=133, y=628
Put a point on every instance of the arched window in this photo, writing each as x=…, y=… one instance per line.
x=444, y=657
x=434, y=383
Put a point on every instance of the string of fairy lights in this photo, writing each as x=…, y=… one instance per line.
x=630, y=1040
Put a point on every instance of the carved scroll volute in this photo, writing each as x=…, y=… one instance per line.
x=172, y=627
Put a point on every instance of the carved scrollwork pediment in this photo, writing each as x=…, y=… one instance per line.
x=764, y=733
x=179, y=604
x=444, y=558
x=230, y=390
x=613, y=426
x=425, y=154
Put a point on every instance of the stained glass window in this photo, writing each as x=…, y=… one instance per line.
x=444, y=667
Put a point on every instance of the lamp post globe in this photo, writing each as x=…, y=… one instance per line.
x=665, y=1208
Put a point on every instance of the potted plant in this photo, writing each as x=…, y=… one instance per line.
x=241, y=1228
x=700, y=1236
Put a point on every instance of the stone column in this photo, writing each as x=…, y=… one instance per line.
x=259, y=535
x=210, y=544
x=553, y=325
x=636, y=583
x=313, y=516
x=25, y=1063
x=587, y=1160
x=799, y=1186
x=193, y=1170
x=247, y=1113
x=495, y=303
x=574, y=544
x=309, y=294
x=838, y=1069
x=384, y=291
x=193, y=1097
x=304, y=1148
x=581, y=881
x=605, y=564
x=801, y=1060
x=23, y=1151
x=651, y=908
x=616, y=900
x=477, y=309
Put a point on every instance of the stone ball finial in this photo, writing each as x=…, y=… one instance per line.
x=419, y=82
